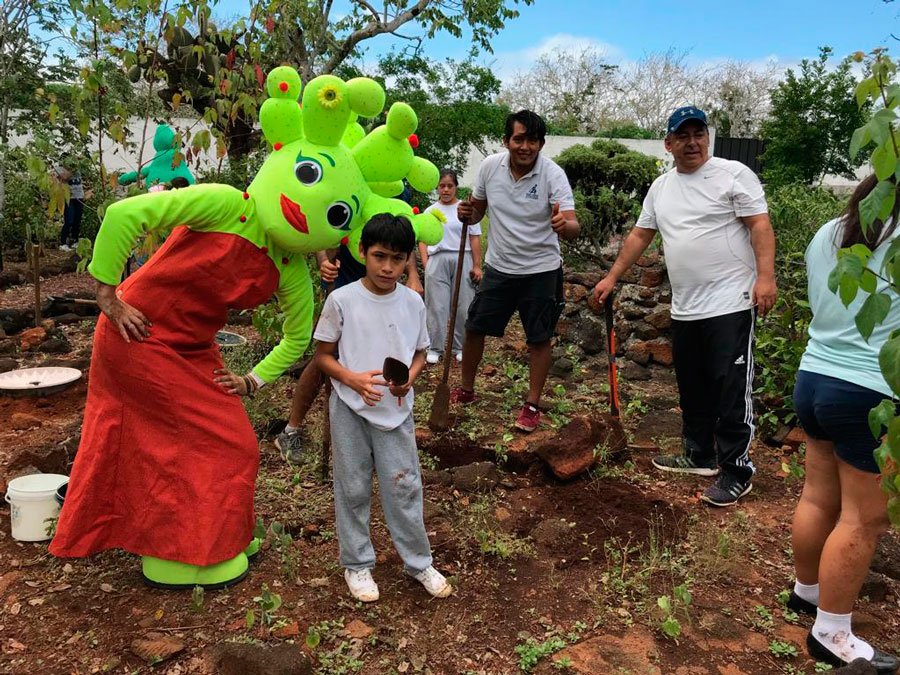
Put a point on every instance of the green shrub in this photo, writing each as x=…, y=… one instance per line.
x=797, y=212
x=609, y=182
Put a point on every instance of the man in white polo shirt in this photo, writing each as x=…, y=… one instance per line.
x=720, y=253
x=530, y=205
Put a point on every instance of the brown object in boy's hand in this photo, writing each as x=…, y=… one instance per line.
x=396, y=372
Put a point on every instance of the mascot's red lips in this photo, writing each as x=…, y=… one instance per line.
x=293, y=214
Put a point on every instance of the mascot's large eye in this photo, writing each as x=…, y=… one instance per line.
x=339, y=215
x=308, y=172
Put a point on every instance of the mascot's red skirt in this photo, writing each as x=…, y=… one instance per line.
x=167, y=463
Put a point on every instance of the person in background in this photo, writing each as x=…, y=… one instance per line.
x=720, y=253
x=531, y=207
x=439, y=262
x=842, y=510
x=372, y=423
x=67, y=172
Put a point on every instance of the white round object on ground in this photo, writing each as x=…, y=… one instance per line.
x=226, y=339
x=38, y=380
x=33, y=505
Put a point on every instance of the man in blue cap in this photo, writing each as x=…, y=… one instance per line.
x=720, y=252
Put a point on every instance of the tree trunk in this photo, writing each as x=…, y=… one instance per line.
x=4, y=137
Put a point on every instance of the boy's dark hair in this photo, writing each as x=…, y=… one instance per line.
x=535, y=127
x=390, y=231
x=180, y=182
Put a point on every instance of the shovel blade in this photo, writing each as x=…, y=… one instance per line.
x=440, y=409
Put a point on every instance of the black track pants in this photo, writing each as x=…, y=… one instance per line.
x=714, y=368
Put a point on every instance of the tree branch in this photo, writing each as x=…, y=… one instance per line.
x=371, y=30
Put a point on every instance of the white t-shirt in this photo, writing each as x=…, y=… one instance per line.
x=368, y=328
x=452, y=229
x=520, y=239
x=709, y=257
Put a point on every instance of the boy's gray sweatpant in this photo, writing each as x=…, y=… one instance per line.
x=439, y=275
x=357, y=446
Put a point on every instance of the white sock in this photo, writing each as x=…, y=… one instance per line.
x=288, y=429
x=833, y=632
x=810, y=592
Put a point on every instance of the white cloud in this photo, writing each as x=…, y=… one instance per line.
x=506, y=64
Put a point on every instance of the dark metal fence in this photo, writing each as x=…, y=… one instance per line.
x=745, y=150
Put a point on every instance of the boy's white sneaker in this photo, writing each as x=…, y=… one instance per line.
x=361, y=584
x=432, y=357
x=434, y=582
x=458, y=357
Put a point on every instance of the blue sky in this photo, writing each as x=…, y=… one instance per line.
x=749, y=30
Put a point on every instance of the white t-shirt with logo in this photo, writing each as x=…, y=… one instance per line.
x=520, y=239
x=452, y=229
x=709, y=257
x=368, y=328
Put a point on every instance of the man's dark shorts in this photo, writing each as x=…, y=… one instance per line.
x=538, y=298
x=835, y=410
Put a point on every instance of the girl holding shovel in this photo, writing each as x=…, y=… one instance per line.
x=439, y=262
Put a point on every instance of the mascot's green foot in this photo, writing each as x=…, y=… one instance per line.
x=253, y=548
x=170, y=574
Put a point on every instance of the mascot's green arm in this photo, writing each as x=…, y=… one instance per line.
x=208, y=208
x=295, y=296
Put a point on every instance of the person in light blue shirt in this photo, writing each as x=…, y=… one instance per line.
x=842, y=511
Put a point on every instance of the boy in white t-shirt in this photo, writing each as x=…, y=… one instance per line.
x=371, y=420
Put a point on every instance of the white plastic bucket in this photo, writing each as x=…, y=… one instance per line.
x=32, y=501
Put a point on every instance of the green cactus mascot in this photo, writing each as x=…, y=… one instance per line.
x=162, y=168
x=168, y=459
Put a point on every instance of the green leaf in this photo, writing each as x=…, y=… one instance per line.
x=872, y=206
x=848, y=289
x=860, y=139
x=250, y=619
x=889, y=361
x=313, y=638
x=873, y=311
x=893, y=509
x=671, y=627
x=880, y=416
x=664, y=603
x=864, y=89
x=884, y=161
x=868, y=282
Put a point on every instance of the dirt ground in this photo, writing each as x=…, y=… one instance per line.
x=585, y=576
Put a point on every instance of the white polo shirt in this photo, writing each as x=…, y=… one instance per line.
x=709, y=257
x=520, y=239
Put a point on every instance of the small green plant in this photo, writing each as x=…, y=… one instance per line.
x=793, y=467
x=680, y=601
x=562, y=663
x=84, y=249
x=782, y=650
x=822, y=667
x=268, y=604
x=763, y=619
x=268, y=320
x=531, y=651
x=636, y=407
x=197, y=597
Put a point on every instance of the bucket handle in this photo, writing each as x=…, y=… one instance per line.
x=6, y=498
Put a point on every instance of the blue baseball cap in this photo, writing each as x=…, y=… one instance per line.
x=682, y=115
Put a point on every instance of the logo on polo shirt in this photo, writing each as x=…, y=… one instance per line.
x=532, y=193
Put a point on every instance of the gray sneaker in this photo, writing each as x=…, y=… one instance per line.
x=291, y=446
x=683, y=464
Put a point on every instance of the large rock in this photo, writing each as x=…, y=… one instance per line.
x=232, y=658
x=659, y=351
x=651, y=277
x=477, y=477
x=14, y=320
x=875, y=587
x=661, y=319
x=8, y=364
x=572, y=451
x=32, y=338
x=588, y=333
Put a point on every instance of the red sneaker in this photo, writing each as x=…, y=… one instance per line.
x=529, y=418
x=462, y=396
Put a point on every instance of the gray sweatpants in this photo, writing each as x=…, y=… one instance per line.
x=439, y=277
x=356, y=447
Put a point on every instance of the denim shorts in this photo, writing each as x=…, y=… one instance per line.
x=835, y=410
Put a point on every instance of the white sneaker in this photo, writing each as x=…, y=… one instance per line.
x=432, y=357
x=458, y=357
x=361, y=584
x=434, y=582
x=65, y=247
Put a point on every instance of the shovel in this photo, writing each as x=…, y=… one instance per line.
x=440, y=406
x=396, y=372
x=612, y=368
